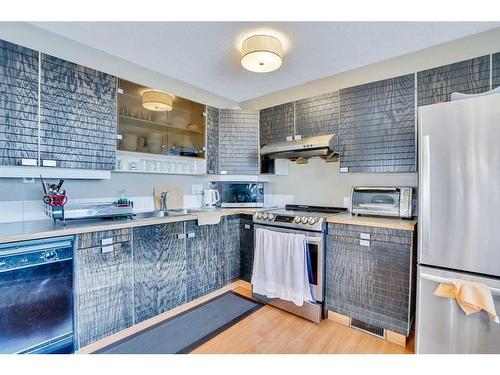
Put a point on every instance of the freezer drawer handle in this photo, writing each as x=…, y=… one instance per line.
x=438, y=279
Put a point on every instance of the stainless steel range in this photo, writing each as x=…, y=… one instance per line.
x=311, y=221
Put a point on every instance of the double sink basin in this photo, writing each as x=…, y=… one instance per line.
x=166, y=213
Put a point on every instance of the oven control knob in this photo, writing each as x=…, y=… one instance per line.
x=312, y=220
x=258, y=215
x=304, y=219
x=297, y=219
x=270, y=216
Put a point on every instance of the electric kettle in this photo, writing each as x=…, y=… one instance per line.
x=210, y=198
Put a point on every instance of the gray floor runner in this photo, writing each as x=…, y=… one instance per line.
x=188, y=330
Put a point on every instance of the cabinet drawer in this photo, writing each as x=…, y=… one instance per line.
x=378, y=234
x=378, y=248
x=103, y=238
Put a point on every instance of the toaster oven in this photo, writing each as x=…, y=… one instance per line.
x=382, y=201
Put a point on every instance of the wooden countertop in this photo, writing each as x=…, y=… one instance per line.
x=37, y=229
x=373, y=221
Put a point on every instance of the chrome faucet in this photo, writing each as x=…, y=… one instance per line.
x=164, y=200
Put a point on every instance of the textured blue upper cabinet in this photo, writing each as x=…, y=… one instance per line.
x=318, y=115
x=496, y=70
x=377, y=126
x=78, y=116
x=276, y=123
x=468, y=77
x=238, y=142
x=18, y=104
x=212, y=140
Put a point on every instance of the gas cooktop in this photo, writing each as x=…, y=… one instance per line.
x=302, y=217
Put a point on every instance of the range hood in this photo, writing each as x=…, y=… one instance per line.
x=324, y=146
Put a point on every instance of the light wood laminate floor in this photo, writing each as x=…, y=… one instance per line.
x=272, y=331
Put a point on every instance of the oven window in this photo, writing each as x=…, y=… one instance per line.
x=377, y=200
x=312, y=262
x=240, y=193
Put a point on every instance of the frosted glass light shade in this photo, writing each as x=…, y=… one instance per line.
x=261, y=53
x=156, y=101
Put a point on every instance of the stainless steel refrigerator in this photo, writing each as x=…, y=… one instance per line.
x=459, y=221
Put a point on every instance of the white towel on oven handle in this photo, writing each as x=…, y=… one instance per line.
x=280, y=267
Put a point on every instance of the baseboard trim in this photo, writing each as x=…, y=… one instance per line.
x=159, y=318
x=394, y=337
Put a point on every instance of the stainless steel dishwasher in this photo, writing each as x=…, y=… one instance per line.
x=36, y=296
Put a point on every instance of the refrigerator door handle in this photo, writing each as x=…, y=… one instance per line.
x=426, y=195
x=438, y=279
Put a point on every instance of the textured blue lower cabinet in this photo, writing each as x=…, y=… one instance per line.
x=159, y=269
x=374, y=283
x=103, y=285
x=205, y=260
x=230, y=243
x=246, y=247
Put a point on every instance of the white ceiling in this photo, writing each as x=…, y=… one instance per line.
x=206, y=54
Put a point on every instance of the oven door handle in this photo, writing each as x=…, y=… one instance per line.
x=374, y=188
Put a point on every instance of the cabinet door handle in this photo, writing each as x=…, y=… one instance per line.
x=181, y=236
x=247, y=226
x=30, y=162
x=364, y=236
x=191, y=235
x=107, y=241
x=364, y=243
x=49, y=163
x=107, y=249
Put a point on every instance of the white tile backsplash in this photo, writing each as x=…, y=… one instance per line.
x=271, y=200
x=347, y=202
x=192, y=200
x=11, y=211
x=33, y=210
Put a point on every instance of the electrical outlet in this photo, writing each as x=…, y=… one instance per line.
x=28, y=180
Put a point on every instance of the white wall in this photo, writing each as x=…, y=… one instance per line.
x=321, y=183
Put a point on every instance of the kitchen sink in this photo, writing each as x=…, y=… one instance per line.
x=183, y=211
x=160, y=213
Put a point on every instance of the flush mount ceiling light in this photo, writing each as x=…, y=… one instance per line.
x=156, y=101
x=261, y=53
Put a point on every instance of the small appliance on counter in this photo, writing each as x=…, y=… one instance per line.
x=393, y=201
x=210, y=198
x=240, y=194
